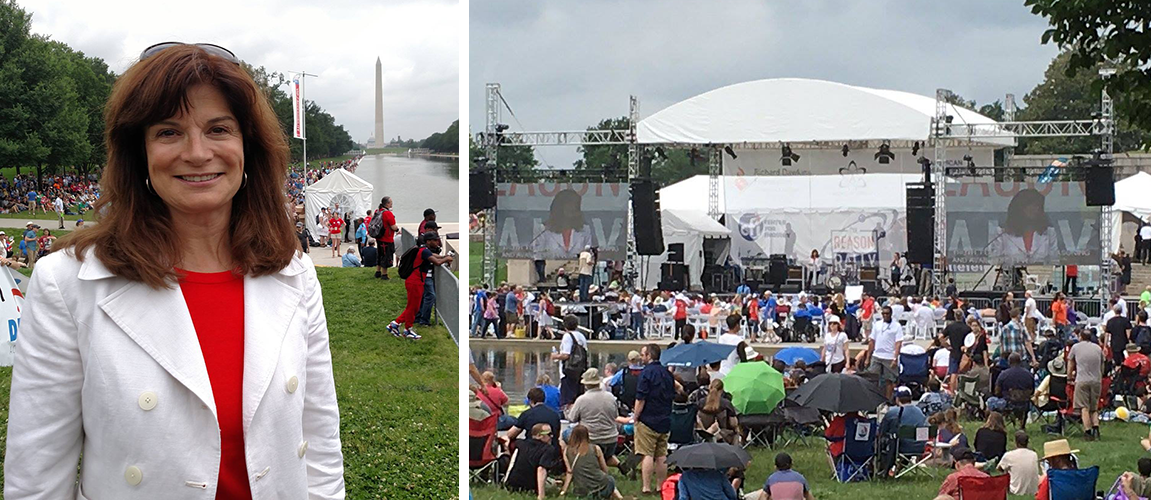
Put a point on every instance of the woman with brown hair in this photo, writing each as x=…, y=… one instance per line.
x=586, y=468
x=991, y=439
x=717, y=416
x=192, y=362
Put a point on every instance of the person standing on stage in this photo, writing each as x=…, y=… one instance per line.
x=1071, y=279
x=586, y=267
x=414, y=284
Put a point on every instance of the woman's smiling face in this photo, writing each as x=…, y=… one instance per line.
x=196, y=158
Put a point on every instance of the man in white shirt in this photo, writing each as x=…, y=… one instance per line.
x=1122, y=303
x=635, y=307
x=586, y=267
x=1144, y=254
x=924, y=318
x=58, y=204
x=732, y=338
x=1023, y=465
x=570, y=387
x=1031, y=315
x=883, y=350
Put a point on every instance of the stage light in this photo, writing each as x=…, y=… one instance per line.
x=730, y=152
x=915, y=149
x=846, y=150
x=884, y=155
x=787, y=156
x=947, y=128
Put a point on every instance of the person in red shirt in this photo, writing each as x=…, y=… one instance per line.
x=680, y=315
x=493, y=396
x=387, y=239
x=964, y=467
x=1071, y=279
x=429, y=216
x=414, y=285
x=335, y=225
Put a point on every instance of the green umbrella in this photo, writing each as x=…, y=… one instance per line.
x=755, y=387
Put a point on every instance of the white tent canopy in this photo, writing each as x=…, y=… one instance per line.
x=1133, y=196
x=799, y=110
x=689, y=227
x=352, y=193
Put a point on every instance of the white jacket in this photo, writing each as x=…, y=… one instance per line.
x=113, y=369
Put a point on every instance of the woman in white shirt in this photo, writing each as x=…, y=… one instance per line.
x=834, y=345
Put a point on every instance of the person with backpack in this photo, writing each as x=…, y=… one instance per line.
x=573, y=360
x=383, y=228
x=415, y=264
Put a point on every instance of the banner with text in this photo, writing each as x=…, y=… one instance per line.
x=1021, y=223
x=296, y=88
x=557, y=220
x=866, y=237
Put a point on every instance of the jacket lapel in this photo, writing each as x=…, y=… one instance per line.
x=269, y=306
x=159, y=322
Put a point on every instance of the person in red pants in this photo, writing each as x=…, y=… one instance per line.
x=422, y=267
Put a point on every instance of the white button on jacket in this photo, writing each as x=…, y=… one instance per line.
x=113, y=368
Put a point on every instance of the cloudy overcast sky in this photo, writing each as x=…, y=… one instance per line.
x=339, y=40
x=567, y=65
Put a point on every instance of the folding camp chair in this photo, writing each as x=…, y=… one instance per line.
x=682, y=425
x=1072, y=484
x=759, y=429
x=913, y=372
x=984, y=488
x=483, y=459
x=1070, y=420
x=799, y=422
x=1018, y=406
x=970, y=395
x=912, y=457
x=857, y=462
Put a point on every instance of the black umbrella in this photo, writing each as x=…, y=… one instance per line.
x=712, y=456
x=839, y=393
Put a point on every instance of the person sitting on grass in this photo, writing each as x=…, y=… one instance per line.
x=1023, y=465
x=597, y=410
x=705, y=484
x=350, y=259
x=934, y=400
x=964, y=467
x=1137, y=485
x=586, y=469
x=537, y=413
x=534, y=458
x=551, y=392
x=784, y=483
x=991, y=439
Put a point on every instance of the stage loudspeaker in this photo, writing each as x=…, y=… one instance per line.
x=673, y=277
x=481, y=190
x=920, y=223
x=777, y=270
x=645, y=211
x=1100, y=186
x=675, y=252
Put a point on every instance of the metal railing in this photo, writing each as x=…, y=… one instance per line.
x=447, y=289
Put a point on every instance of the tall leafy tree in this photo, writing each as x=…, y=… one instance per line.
x=1116, y=33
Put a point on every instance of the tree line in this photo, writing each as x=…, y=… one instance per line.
x=52, y=101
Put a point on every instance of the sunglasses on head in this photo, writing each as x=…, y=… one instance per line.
x=210, y=48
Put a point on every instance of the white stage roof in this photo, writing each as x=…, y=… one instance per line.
x=798, y=110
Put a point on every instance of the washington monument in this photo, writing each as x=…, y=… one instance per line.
x=380, y=141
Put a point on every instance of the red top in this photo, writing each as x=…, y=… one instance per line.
x=216, y=304
x=335, y=224
x=389, y=221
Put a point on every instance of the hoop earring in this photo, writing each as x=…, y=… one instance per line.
x=245, y=181
x=148, y=184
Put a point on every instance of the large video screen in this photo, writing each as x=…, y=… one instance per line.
x=1020, y=223
x=557, y=220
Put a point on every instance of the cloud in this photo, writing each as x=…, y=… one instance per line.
x=339, y=40
x=567, y=65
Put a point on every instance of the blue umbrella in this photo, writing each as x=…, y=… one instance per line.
x=695, y=354
x=791, y=354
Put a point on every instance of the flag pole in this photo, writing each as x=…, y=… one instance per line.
x=302, y=111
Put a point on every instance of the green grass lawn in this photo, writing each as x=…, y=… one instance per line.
x=399, y=406
x=475, y=264
x=1116, y=453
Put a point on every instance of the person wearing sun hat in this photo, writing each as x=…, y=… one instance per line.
x=30, y=243
x=1058, y=455
x=597, y=410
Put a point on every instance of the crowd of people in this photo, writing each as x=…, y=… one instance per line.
x=297, y=179
x=1006, y=366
